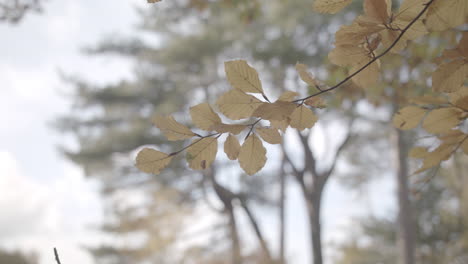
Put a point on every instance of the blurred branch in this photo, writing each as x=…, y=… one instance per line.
x=57, y=258
x=12, y=11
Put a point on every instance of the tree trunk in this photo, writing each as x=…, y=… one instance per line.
x=313, y=210
x=405, y=219
x=235, y=247
x=282, y=220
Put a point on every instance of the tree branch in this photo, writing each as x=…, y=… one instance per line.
x=57, y=258
x=340, y=149
x=403, y=31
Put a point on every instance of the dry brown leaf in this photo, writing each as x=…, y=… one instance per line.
x=237, y=105
x=288, y=96
x=435, y=157
x=152, y=161
x=225, y=128
x=303, y=118
x=408, y=117
x=305, y=75
x=447, y=14
x=378, y=10
x=252, y=155
x=418, y=152
x=316, y=102
x=270, y=135
x=280, y=124
x=204, y=117
x=442, y=120
x=278, y=110
x=172, y=129
x=330, y=6
x=232, y=147
x=449, y=77
x=243, y=77
x=202, y=153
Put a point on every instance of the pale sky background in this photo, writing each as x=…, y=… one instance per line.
x=45, y=201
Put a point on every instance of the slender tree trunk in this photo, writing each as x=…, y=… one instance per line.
x=313, y=209
x=282, y=220
x=235, y=247
x=405, y=219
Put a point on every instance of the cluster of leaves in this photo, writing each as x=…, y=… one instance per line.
x=359, y=47
x=236, y=104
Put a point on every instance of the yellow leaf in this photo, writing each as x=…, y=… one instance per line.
x=243, y=77
x=316, y=102
x=330, y=6
x=378, y=10
x=349, y=54
x=409, y=9
x=152, y=161
x=306, y=76
x=452, y=137
x=237, y=105
x=355, y=33
x=202, y=153
x=280, y=124
x=204, y=117
x=270, y=135
x=442, y=120
x=449, y=77
x=418, y=152
x=252, y=155
x=303, y=118
x=172, y=129
x=224, y=128
x=460, y=98
x=278, y=110
x=428, y=99
x=288, y=96
x=447, y=14
x=367, y=77
x=232, y=147
x=408, y=117
x=435, y=157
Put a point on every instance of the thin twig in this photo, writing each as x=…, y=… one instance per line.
x=374, y=59
x=57, y=256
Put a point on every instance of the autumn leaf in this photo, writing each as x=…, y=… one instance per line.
x=225, y=128
x=232, y=147
x=418, y=152
x=408, y=117
x=442, y=120
x=204, y=117
x=306, y=76
x=270, y=135
x=202, y=153
x=252, y=155
x=447, y=14
x=316, y=102
x=237, y=105
x=278, y=110
x=172, y=129
x=378, y=10
x=243, y=77
x=449, y=77
x=280, y=124
x=288, y=96
x=434, y=158
x=330, y=6
x=152, y=161
x=303, y=118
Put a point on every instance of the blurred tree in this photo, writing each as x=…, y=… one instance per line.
x=8, y=257
x=440, y=213
x=12, y=11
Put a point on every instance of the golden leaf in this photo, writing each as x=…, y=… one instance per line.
x=306, y=76
x=378, y=10
x=316, y=102
x=232, y=147
x=237, y=105
x=278, y=110
x=435, y=157
x=447, y=14
x=252, y=155
x=280, y=124
x=428, y=99
x=224, y=128
x=172, y=129
x=303, y=118
x=330, y=6
x=442, y=120
x=270, y=135
x=202, y=153
x=367, y=77
x=152, y=161
x=460, y=98
x=243, y=77
x=449, y=77
x=418, y=152
x=408, y=117
x=288, y=96
x=204, y=117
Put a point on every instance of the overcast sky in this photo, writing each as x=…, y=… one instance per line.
x=45, y=201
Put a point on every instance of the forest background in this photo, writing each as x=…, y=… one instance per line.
x=111, y=117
